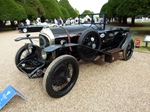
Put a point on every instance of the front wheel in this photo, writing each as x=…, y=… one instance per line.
x=128, y=50
x=60, y=76
x=20, y=56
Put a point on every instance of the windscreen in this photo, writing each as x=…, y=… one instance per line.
x=98, y=19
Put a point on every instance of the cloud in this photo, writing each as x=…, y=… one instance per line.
x=92, y=5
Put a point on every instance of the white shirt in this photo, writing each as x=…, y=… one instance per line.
x=28, y=21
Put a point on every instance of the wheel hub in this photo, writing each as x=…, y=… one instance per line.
x=62, y=75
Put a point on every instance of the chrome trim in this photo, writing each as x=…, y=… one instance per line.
x=43, y=54
x=48, y=33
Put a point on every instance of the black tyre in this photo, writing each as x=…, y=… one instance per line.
x=21, y=54
x=89, y=38
x=60, y=76
x=128, y=50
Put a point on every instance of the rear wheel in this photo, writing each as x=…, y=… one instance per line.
x=89, y=38
x=128, y=51
x=61, y=76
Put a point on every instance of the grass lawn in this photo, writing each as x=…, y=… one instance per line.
x=140, y=32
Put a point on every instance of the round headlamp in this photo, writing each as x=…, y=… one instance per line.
x=43, y=54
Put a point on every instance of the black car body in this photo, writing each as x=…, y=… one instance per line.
x=59, y=50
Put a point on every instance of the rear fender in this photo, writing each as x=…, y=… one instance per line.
x=127, y=40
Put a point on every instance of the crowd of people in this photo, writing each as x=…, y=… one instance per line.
x=76, y=21
x=64, y=22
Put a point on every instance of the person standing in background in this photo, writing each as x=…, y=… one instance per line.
x=27, y=21
x=60, y=21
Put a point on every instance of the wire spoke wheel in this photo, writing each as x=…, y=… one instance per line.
x=61, y=76
x=91, y=39
x=21, y=63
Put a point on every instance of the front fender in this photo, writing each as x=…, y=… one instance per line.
x=52, y=48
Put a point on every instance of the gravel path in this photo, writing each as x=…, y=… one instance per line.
x=122, y=86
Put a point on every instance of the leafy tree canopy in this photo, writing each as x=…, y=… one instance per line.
x=64, y=12
x=33, y=8
x=130, y=8
x=88, y=12
x=126, y=8
x=112, y=5
x=77, y=11
x=70, y=9
x=9, y=10
x=52, y=9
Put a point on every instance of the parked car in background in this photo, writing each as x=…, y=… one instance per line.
x=52, y=25
x=34, y=27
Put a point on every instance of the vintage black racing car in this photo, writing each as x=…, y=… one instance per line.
x=56, y=54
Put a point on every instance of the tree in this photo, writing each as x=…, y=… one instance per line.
x=104, y=8
x=33, y=8
x=52, y=9
x=131, y=8
x=112, y=5
x=87, y=12
x=66, y=4
x=9, y=10
x=77, y=11
x=122, y=9
x=145, y=8
x=64, y=12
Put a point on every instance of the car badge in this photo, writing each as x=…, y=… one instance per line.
x=102, y=35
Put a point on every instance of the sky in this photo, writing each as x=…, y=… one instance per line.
x=92, y=5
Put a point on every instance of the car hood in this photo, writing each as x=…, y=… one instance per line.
x=62, y=30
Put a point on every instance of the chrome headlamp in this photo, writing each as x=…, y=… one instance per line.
x=43, y=54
